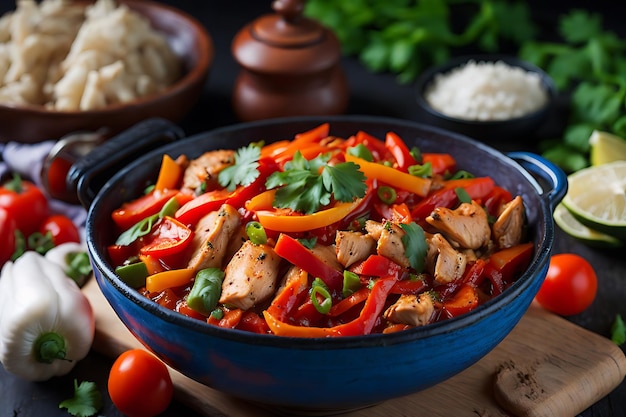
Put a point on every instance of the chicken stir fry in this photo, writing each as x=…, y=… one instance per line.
x=369, y=263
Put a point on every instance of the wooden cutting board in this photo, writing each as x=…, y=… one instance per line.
x=546, y=367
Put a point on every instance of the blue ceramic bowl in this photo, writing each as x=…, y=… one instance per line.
x=491, y=132
x=318, y=374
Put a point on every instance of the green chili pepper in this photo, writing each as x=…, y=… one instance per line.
x=206, y=290
x=256, y=233
x=386, y=194
x=134, y=274
x=319, y=288
x=351, y=283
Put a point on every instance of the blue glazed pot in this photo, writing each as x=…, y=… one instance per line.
x=315, y=374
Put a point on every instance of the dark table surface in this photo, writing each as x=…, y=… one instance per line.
x=376, y=94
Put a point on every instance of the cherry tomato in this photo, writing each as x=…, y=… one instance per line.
x=57, y=174
x=570, y=286
x=140, y=384
x=26, y=203
x=62, y=229
x=7, y=236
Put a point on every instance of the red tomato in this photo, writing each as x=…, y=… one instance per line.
x=57, y=174
x=62, y=229
x=26, y=203
x=170, y=237
x=570, y=286
x=140, y=384
x=7, y=236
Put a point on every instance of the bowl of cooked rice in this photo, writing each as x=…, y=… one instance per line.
x=100, y=65
x=492, y=98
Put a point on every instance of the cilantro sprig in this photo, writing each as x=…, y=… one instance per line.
x=86, y=402
x=415, y=246
x=306, y=185
x=245, y=169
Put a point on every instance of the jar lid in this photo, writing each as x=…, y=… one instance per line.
x=286, y=42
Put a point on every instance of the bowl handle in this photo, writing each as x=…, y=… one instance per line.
x=545, y=170
x=89, y=174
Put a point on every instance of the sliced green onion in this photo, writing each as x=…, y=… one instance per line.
x=206, y=290
x=169, y=208
x=351, y=283
x=386, y=194
x=425, y=170
x=461, y=174
x=416, y=153
x=217, y=314
x=319, y=288
x=462, y=194
x=256, y=233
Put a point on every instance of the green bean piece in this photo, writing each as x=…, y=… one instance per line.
x=206, y=290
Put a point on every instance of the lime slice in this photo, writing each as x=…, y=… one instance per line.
x=606, y=147
x=568, y=223
x=597, y=198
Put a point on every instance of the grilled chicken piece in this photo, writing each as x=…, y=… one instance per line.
x=508, y=228
x=205, y=169
x=467, y=225
x=415, y=310
x=212, y=236
x=352, y=247
x=251, y=276
x=449, y=264
x=389, y=241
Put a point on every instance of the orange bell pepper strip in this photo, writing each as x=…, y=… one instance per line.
x=169, y=279
x=364, y=324
x=169, y=174
x=464, y=300
x=262, y=201
x=392, y=177
x=440, y=162
x=301, y=223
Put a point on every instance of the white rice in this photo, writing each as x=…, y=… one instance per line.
x=486, y=91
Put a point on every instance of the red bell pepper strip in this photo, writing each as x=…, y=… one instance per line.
x=494, y=201
x=230, y=319
x=362, y=325
x=374, y=145
x=401, y=153
x=477, y=188
x=350, y=301
x=407, y=286
x=296, y=253
x=377, y=266
x=136, y=210
x=441, y=163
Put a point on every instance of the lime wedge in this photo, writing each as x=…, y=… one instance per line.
x=596, y=197
x=568, y=223
x=606, y=147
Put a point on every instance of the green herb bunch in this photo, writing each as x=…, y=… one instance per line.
x=589, y=63
x=406, y=36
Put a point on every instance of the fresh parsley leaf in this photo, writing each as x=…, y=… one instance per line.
x=245, y=169
x=305, y=186
x=618, y=331
x=86, y=402
x=415, y=246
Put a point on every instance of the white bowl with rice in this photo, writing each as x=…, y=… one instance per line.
x=486, y=97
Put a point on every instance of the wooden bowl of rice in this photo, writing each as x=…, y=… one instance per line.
x=492, y=98
x=97, y=65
